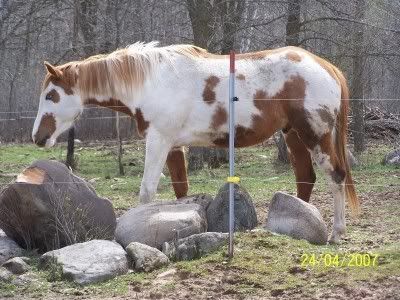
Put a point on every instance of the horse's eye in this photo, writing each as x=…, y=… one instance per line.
x=49, y=97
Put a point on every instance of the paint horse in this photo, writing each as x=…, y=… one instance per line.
x=179, y=96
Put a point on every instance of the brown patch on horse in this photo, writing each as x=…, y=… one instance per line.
x=219, y=118
x=177, y=169
x=32, y=176
x=46, y=129
x=294, y=92
x=285, y=109
x=54, y=96
x=241, y=137
x=112, y=103
x=240, y=77
x=293, y=56
x=326, y=116
x=141, y=123
x=208, y=93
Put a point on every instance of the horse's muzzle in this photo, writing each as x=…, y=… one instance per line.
x=41, y=140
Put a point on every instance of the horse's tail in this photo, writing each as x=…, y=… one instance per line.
x=341, y=142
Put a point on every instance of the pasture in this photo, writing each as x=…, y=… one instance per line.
x=265, y=266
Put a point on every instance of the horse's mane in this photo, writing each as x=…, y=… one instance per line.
x=121, y=73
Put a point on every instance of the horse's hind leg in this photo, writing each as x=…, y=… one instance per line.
x=325, y=156
x=302, y=165
x=177, y=169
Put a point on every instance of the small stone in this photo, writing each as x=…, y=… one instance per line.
x=5, y=275
x=16, y=265
x=167, y=273
x=146, y=258
x=392, y=158
x=195, y=246
x=8, y=248
x=25, y=279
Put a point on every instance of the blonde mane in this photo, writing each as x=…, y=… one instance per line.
x=122, y=73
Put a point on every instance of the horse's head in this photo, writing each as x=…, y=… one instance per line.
x=60, y=104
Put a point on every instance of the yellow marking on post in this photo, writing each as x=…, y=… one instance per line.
x=233, y=179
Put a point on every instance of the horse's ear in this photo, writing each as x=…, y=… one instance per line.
x=53, y=70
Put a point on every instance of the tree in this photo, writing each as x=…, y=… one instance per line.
x=85, y=21
x=293, y=28
x=357, y=87
x=206, y=17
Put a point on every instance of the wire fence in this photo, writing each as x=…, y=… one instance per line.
x=112, y=143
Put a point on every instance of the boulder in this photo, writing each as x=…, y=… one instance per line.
x=88, y=262
x=155, y=223
x=195, y=246
x=16, y=266
x=296, y=218
x=218, y=211
x=146, y=258
x=392, y=158
x=8, y=248
x=48, y=207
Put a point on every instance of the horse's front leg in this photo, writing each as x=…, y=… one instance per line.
x=157, y=148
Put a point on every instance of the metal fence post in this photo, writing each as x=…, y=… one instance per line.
x=232, y=179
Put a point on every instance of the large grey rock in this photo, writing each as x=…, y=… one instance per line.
x=195, y=245
x=146, y=258
x=88, y=262
x=155, y=223
x=293, y=217
x=8, y=248
x=48, y=207
x=16, y=265
x=218, y=211
x=392, y=158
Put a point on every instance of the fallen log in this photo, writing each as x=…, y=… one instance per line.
x=382, y=128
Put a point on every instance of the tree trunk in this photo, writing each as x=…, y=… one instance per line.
x=85, y=20
x=70, y=162
x=357, y=88
x=203, y=19
x=292, y=39
x=120, y=150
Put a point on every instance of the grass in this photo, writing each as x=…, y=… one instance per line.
x=259, y=173
x=263, y=262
